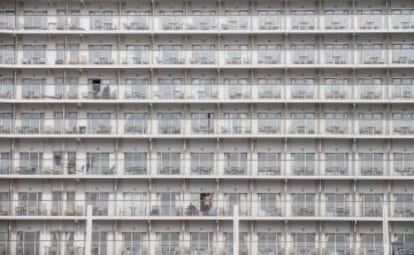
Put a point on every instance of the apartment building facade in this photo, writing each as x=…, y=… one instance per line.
x=163, y=115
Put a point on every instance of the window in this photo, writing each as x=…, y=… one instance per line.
x=202, y=163
x=337, y=123
x=370, y=19
x=5, y=123
x=5, y=161
x=202, y=123
x=270, y=204
x=35, y=19
x=7, y=54
x=34, y=54
x=303, y=163
x=372, y=243
x=169, y=123
x=135, y=163
x=98, y=163
x=371, y=53
x=269, y=88
x=403, y=205
x=270, y=19
x=302, y=123
x=402, y=88
x=29, y=204
x=136, y=123
x=302, y=87
x=337, y=163
x=203, y=88
x=371, y=163
x=171, y=88
x=169, y=242
x=202, y=242
x=372, y=205
x=235, y=20
x=370, y=123
x=270, y=243
x=171, y=54
x=31, y=162
x=403, y=163
x=136, y=88
x=99, y=243
x=303, y=204
x=338, y=242
x=337, y=53
x=237, y=88
x=203, y=20
x=169, y=162
x=304, y=243
x=269, y=54
x=99, y=202
x=336, y=19
x=100, y=54
x=134, y=204
x=269, y=163
x=303, y=19
x=137, y=54
x=6, y=86
x=101, y=20
x=33, y=88
x=99, y=123
x=62, y=242
x=237, y=54
x=232, y=199
x=243, y=242
x=236, y=123
x=172, y=20
x=337, y=205
x=28, y=243
x=100, y=89
x=336, y=88
x=137, y=20
x=133, y=243
x=203, y=54
x=303, y=53
x=235, y=163
x=169, y=204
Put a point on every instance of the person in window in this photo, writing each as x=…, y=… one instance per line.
x=205, y=204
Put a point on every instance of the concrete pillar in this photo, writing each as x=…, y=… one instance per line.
x=236, y=230
x=88, y=236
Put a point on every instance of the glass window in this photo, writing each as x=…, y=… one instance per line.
x=135, y=162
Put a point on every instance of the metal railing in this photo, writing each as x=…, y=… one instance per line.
x=274, y=20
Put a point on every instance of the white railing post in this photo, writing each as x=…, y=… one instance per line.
x=236, y=230
x=88, y=237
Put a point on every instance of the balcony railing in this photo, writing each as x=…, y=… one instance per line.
x=112, y=244
x=216, y=92
x=274, y=20
x=194, y=208
x=178, y=126
x=235, y=55
x=180, y=165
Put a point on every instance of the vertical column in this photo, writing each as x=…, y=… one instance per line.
x=236, y=230
x=88, y=237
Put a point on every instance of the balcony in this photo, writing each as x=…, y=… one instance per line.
x=303, y=205
x=403, y=205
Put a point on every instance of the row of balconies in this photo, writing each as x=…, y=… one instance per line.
x=204, y=243
x=238, y=125
x=234, y=55
x=203, y=164
x=208, y=21
x=179, y=92
x=269, y=205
